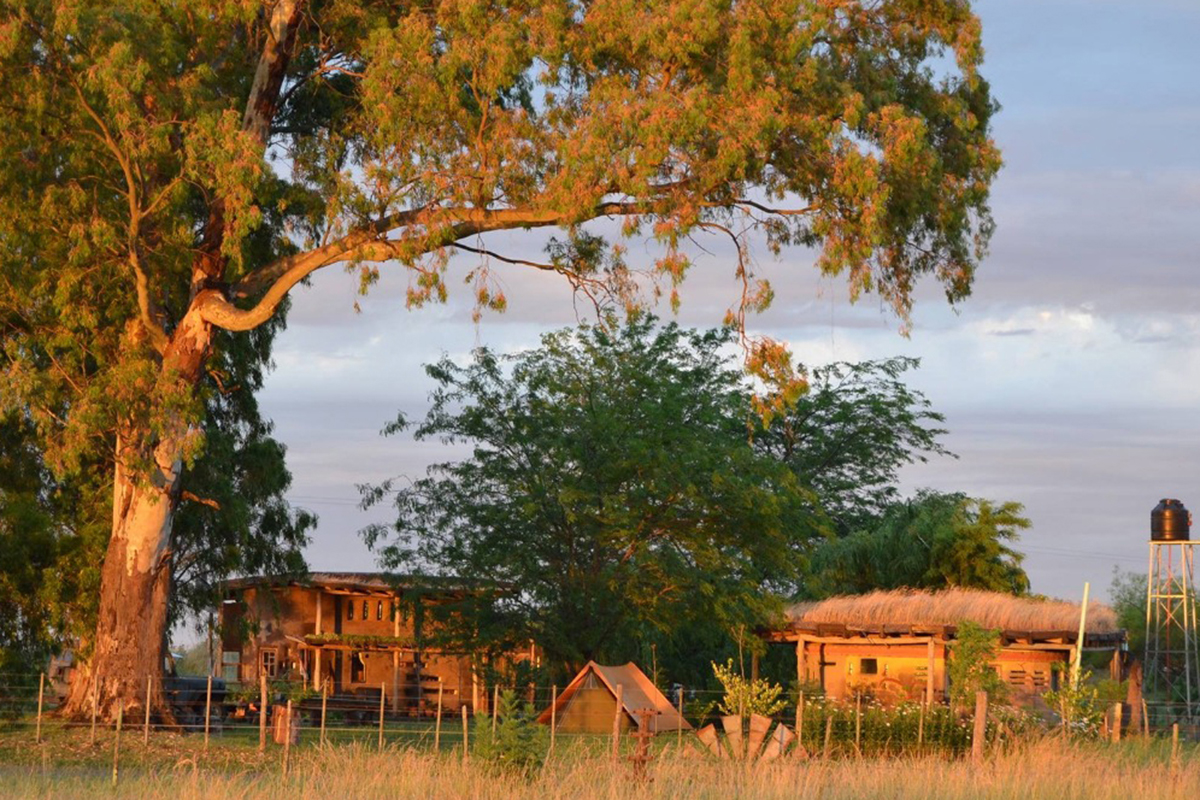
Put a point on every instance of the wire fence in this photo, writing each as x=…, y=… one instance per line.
x=414, y=716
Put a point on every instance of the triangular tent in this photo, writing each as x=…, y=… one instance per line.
x=589, y=703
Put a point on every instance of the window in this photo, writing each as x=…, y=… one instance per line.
x=366, y=609
x=868, y=666
x=230, y=662
x=379, y=611
x=350, y=609
x=270, y=662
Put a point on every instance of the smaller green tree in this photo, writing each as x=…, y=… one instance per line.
x=519, y=742
x=933, y=541
x=1127, y=596
x=970, y=667
x=1079, y=708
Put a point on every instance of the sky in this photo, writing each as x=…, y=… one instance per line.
x=1070, y=379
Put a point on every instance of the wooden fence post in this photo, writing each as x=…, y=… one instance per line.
x=41, y=693
x=977, y=736
x=437, y=725
x=679, y=732
x=553, y=714
x=287, y=737
x=117, y=740
x=466, y=746
x=146, y=724
x=921, y=727
x=800, y=724
x=95, y=705
x=616, y=737
x=262, y=713
x=382, y=695
x=858, y=723
x=495, y=706
x=324, y=702
x=1117, y=712
x=1174, y=747
x=207, y=710
x=828, y=737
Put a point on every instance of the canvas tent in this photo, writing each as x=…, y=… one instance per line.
x=589, y=703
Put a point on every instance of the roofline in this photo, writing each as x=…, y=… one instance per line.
x=380, y=582
x=795, y=631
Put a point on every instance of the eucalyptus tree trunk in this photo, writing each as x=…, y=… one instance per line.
x=129, y=646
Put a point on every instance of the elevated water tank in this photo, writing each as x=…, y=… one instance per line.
x=1170, y=521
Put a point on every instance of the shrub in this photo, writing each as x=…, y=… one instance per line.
x=745, y=697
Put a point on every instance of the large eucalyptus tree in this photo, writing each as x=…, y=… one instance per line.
x=174, y=168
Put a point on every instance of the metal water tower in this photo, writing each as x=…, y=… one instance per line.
x=1172, y=648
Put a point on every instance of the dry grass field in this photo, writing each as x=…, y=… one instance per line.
x=178, y=770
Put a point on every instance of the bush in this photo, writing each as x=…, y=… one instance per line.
x=745, y=697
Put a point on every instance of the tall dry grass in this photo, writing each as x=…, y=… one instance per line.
x=1048, y=769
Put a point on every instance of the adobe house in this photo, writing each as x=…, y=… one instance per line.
x=352, y=633
x=893, y=645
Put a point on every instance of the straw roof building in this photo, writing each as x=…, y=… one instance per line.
x=894, y=644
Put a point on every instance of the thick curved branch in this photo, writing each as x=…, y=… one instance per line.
x=429, y=231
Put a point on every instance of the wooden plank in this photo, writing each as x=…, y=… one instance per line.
x=778, y=744
x=760, y=726
x=708, y=737
x=733, y=734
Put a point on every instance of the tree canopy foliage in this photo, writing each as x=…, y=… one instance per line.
x=849, y=434
x=176, y=170
x=610, y=490
x=932, y=541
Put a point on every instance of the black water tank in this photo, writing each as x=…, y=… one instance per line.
x=1170, y=521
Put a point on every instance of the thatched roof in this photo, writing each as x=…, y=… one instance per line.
x=894, y=611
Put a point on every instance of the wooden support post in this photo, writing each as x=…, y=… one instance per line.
x=977, y=736
x=382, y=698
x=117, y=740
x=262, y=713
x=287, y=738
x=495, y=706
x=1077, y=654
x=396, y=680
x=466, y=745
x=828, y=736
x=41, y=694
x=1115, y=727
x=146, y=724
x=553, y=714
x=95, y=705
x=207, y=710
x=929, y=664
x=437, y=726
x=474, y=689
x=616, y=736
x=324, y=703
